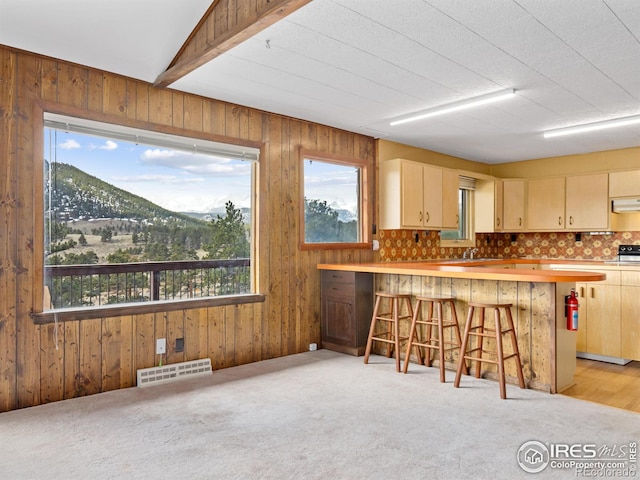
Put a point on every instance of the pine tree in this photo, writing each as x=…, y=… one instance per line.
x=228, y=238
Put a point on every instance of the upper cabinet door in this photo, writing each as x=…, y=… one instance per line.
x=545, y=204
x=412, y=195
x=488, y=205
x=624, y=184
x=514, y=204
x=432, y=196
x=587, y=202
x=450, y=188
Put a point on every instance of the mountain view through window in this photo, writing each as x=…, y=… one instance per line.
x=179, y=220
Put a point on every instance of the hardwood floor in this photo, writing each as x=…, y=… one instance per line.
x=607, y=383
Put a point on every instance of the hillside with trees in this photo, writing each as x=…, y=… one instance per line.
x=76, y=195
x=90, y=221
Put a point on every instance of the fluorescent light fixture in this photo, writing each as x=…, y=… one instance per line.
x=590, y=127
x=454, y=107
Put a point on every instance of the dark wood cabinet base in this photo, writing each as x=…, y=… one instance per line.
x=347, y=306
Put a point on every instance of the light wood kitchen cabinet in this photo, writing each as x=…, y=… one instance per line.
x=624, y=184
x=432, y=196
x=587, y=206
x=450, y=188
x=573, y=203
x=500, y=205
x=411, y=195
x=488, y=201
x=417, y=196
x=630, y=315
x=513, y=200
x=545, y=204
x=600, y=312
x=600, y=330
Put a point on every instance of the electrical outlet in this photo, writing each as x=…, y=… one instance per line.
x=161, y=346
x=179, y=345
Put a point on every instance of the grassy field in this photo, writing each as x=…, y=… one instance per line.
x=119, y=241
x=102, y=249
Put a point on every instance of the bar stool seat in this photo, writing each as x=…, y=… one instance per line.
x=431, y=342
x=480, y=331
x=390, y=322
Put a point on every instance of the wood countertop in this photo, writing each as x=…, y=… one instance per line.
x=485, y=269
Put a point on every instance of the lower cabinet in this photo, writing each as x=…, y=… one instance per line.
x=609, y=311
x=347, y=306
x=599, y=330
x=630, y=315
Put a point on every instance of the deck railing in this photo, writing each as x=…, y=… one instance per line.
x=108, y=284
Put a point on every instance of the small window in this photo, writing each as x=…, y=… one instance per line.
x=333, y=199
x=464, y=236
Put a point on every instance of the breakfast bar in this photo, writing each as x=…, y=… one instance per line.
x=547, y=348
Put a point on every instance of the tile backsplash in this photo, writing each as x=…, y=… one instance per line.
x=401, y=245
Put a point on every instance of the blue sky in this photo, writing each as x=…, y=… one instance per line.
x=175, y=180
x=338, y=184
x=182, y=181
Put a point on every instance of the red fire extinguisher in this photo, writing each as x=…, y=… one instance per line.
x=571, y=310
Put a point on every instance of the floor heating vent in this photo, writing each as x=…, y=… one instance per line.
x=173, y=371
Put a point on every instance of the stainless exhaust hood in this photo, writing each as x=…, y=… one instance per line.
x=625, y=205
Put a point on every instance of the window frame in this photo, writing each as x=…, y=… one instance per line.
x=364, y=195
x=469, y=222
x=41, y=316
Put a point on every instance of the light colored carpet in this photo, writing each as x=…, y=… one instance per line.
x=316, y=415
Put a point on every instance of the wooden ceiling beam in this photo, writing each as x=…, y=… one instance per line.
x=226, y=24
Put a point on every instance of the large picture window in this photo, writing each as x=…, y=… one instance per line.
x=334, y=202
x=137, y=216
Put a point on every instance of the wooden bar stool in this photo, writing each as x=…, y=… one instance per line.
x=391, y=324
x=479, y=331
x=432, y=342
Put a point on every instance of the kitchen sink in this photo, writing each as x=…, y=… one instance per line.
x=467, y=260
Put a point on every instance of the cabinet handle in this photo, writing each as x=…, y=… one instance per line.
x=457, y=219
x=570, y=220
x=593, y=292
x=420, y=216
x=559, y=220
x=498, y=221
x=428, y=217
x=519, y=221
x=581, y=292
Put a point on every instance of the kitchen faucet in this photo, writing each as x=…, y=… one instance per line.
x=470, y=251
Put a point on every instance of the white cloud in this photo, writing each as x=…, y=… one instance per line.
x=157, y=156
x=109, y=145
x=331, y=179
x=69, y=144
x=195, y=164
x=162, y=179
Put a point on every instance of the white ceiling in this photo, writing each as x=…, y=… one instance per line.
x=357, y=64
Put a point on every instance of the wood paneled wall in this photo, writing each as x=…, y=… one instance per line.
x=42, y=363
